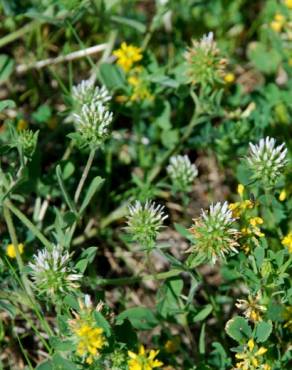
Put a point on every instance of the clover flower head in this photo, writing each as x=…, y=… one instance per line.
x=51, y=272
x=93, y=123
x=205, y=65
x=266, y=160
x=85, y=92
x=214, y=234
x=144, y=222
x=181, y=172
x=143, y=359
x=27, y=142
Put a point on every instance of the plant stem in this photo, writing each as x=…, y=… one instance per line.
x=13, y=237
x=28, y=224
x=136, y=279
x=15, y=35
x=84, y=175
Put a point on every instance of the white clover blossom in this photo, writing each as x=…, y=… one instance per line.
x=266, y=160
x=86, y=92
x=181, y=172
x=207, y=41
x=93, y=122
x=51, y=272
x=214, y=234
x=144, y=222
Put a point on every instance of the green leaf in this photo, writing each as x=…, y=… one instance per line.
x=202, y=348
x=263, y=331
x=46, y=365
x=61, y=345
x=42, y=114
x=140, y=27
x=94, y=186
x=266, y=60
x=168, y=297
x=142, y=318
x=65, y=194
x=102, y=323
x=203, y=313
x=112, y=76
x=238, y=328
x=183, y=231
x=86, y=258
x=61, y=363
x=6, y=67
x=6, y=104
x=259, y=254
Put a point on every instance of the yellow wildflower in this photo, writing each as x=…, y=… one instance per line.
x=127, y=55
x=172, y=345
x=288, y=3
x=287, y=241
x=240, y=189
x=251, y=357
x=238, y=208
x=254, y=221
x=10, y=250
x=142, y=361
x=278, y=22
x=283, y=195
x=21, y=125
x=90, y=339
x=229, y=78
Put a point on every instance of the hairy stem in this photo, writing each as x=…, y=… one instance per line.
x=84, y=175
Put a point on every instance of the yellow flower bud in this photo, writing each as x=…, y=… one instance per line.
x=283, y=195
x=229, y=78
x=240, y=189
x=261, y=351
x=250, y=344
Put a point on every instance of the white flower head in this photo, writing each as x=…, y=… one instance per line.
x=51, y=272
x=181, y=172
x=214, y=234
x=86, y=92
x=144, y=222
x=267, y=160
x=93, y=122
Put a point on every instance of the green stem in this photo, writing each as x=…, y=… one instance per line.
x=135, y=279
x=17, y=34
x=84, y=175
x=28, y=224
x=13, y=237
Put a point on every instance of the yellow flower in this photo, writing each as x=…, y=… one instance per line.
x=278, y=22
x=240, y=189
x=288, y=3
x=142, y=361
x=10, y=250
x=283, y=195
x=251, y=357
x=287, y=241
x=254, y=221
x=127, y=55
x=239, y=207
x=229, y=78
x=22, y=125
x=90, y=339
